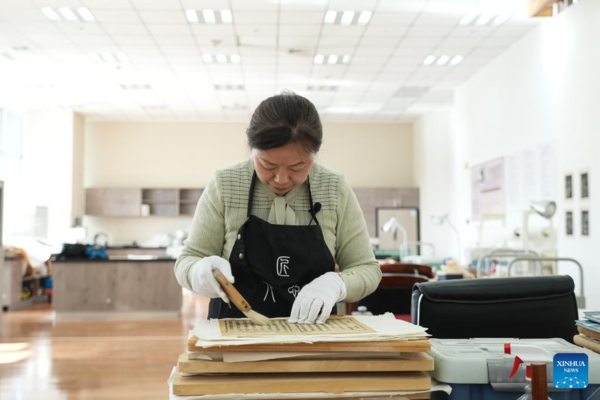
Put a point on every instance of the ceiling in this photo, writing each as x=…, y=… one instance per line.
x=159, y=66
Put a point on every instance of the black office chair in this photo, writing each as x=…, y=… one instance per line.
x=518, y=307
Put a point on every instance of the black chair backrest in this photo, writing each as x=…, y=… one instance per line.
x=519, y=307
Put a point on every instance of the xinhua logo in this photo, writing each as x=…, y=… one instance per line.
x=570, y=370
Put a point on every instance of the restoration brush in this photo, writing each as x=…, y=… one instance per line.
x=239, y=301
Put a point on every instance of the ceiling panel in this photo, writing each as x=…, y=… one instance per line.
x=276, y=41
x=254, y=18
x=110, y=16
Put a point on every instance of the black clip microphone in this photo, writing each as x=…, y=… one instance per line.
x=313, y=211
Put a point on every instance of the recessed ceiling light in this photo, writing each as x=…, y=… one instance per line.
x=483, y=19
x=429, y=60
x=319, y=59
x=86, y=14
x=500, y=19
x=364, y=18
x=332, y=59
x=108, y=57
x=456, y=60
x=50, y=14
x=443, y=60
x=330, y=17
x=346, y=59
x=221, y=58
x=207, y=58
x=468, y=18
x=95, y=57
x=347, y=18
x=209, y=16
x=122, y=57
x=192, y=16
x=67, y=14
x=235, y=58
x=226, y=16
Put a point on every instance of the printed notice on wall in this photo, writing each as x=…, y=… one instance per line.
x=531, y=175
x=336, y=324
x=487, y=188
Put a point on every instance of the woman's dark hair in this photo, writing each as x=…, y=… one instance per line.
x=283, y=119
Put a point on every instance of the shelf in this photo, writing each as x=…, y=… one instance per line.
x=34, y=278
x=146, y=201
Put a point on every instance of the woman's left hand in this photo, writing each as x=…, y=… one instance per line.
x=317, y=299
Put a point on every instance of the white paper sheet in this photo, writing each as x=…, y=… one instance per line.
x=386, y=327
x=435, y=387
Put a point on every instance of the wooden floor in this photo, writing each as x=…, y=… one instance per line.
x=45, y=358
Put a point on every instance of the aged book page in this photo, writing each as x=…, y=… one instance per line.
x=335, y=325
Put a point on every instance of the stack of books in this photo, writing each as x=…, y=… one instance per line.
x=589, y=331
x=348, y=357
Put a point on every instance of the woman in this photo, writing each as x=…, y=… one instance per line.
x=277, y=224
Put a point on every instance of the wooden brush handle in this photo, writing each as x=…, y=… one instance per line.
x=234, y=296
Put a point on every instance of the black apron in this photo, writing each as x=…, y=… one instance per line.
x=271, y=263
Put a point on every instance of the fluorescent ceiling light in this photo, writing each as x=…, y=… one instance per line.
x=192, y=16
x=429, y=60
x=108, y=57
x=332, y=59
x=443, y=60
x=86, y=14
x=456, y=60
x=319, y=59
x=483, y=19
x=235, y=58
x=468, y=18
x=500, y=19
x=347, y=18
x=95, y=57
x=122, y=57
x=207, y=58
x=67, y=13
x=346, y=59
x=330, y=17
x=221, y=58
x=226, y=16
x=50, y=14
x=364, y=18
x=209, y=16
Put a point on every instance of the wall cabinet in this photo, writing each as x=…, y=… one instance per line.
x=129, y=202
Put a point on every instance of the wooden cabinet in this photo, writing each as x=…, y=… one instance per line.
x=114, y=202
x=124, y=202
x=116, y=286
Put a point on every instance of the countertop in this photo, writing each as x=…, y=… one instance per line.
x=117, y=259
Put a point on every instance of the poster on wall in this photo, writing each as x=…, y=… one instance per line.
x=531, y=175
x=487, y=188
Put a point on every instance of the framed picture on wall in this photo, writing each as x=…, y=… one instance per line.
x=569, y=223
x=585, y=223
x=568, y=186
x=585, y=188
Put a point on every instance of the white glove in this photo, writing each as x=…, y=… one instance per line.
x=203, y=281
x=318, y=296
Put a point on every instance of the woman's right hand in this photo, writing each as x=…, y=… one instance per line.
x=204, y=282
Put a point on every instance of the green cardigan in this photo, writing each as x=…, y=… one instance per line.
x=222, y=210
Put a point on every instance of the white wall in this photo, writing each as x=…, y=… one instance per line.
x=544, y=88
x=122, y=154
x=433, y=155
x=78, y=194
x=47, y=170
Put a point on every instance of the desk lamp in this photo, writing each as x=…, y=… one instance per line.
x=545, y=209
x=439, y=220
x=393, y=226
